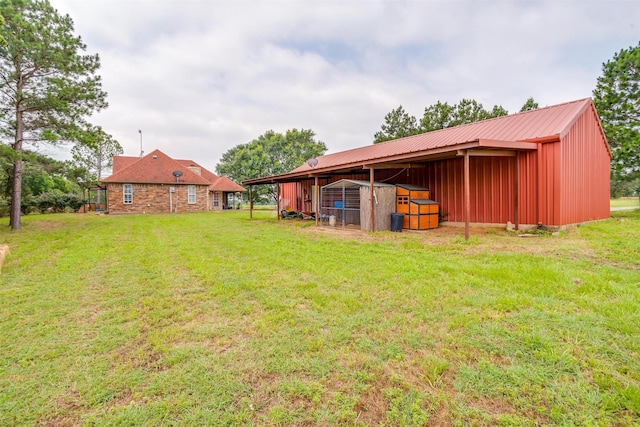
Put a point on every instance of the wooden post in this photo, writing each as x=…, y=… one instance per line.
x=372, y=227
x=515, y=192
x=317, y=201
x=539, y=184
x=278, y=200
x=467, y=196
x=250, y=202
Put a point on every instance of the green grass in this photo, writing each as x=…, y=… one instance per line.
x=213, y=319
x=625, y=202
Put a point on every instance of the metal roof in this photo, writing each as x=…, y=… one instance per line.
x=521, y=131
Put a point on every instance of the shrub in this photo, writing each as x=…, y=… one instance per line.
x=5, y=205
x=28, y=204
x=54, y=201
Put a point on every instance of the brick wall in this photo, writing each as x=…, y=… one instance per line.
x=154, y=198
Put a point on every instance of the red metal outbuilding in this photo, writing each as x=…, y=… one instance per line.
x=548, y=166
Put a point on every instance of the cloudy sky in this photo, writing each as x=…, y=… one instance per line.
x=199, y=77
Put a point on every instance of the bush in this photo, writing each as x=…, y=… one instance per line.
x=5, y=205
x=75, y=202
x=53, y=201
x=28, y=204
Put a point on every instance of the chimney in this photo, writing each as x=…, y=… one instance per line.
x=195, y=169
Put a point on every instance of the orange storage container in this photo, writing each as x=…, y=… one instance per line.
x=420, y=212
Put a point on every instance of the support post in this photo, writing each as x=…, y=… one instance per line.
x=516, y=184
x=539, y=184
x=467, y=196
x=317, y=201
x=251, y=202
x=372, y=226
x=278, y=200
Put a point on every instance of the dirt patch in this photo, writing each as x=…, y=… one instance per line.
x=68, y=411
x=482, y=240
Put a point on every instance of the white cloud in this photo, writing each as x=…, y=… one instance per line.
x=199, y=77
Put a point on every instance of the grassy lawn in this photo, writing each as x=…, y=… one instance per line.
x=213, y=319
x=625, y=202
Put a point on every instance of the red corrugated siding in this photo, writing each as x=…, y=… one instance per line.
x=549, y=161
x=527, y=188
x=289, y=195
x=585, y=172
x=492, y=181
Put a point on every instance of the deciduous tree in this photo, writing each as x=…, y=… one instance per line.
x=95, y=151
x=617, y=99
x=271, y=153
x=47, y=85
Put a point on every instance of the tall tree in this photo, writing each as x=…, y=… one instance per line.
x=617, y=99
x=437, y=116
x=442, y=115
x=271, y=153
x=397, y=124
x=47, y=86
x=530, y=104
x=95, y=153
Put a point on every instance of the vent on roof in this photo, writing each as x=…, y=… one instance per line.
x=155, y=157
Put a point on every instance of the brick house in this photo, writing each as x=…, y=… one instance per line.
x=157, y=183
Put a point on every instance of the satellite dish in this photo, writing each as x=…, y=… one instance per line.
x=177, y=174
x=312, y=162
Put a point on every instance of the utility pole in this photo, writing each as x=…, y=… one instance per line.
x=141, y=152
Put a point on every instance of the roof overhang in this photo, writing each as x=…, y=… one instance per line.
x=478, y=147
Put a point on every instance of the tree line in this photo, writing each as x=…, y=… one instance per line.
x=399, y=124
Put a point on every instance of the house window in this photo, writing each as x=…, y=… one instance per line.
x=216, y=199
x=192, y=194
x=127, y=194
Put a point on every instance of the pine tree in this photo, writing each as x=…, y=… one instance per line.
x=47, y=86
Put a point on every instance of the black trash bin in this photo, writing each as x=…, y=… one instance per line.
x=396, y=221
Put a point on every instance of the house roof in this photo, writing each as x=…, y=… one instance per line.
x=121, y=162
x=205, y=173
x=225, y=184
x=521, y=131
x=157, y=167
x=154, y=168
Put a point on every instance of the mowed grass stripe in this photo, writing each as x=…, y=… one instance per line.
x=217, y=319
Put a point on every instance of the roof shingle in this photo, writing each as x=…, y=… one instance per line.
x=157, y=168
x=154, y=168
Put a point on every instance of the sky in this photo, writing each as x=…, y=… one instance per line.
x=199, y=77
